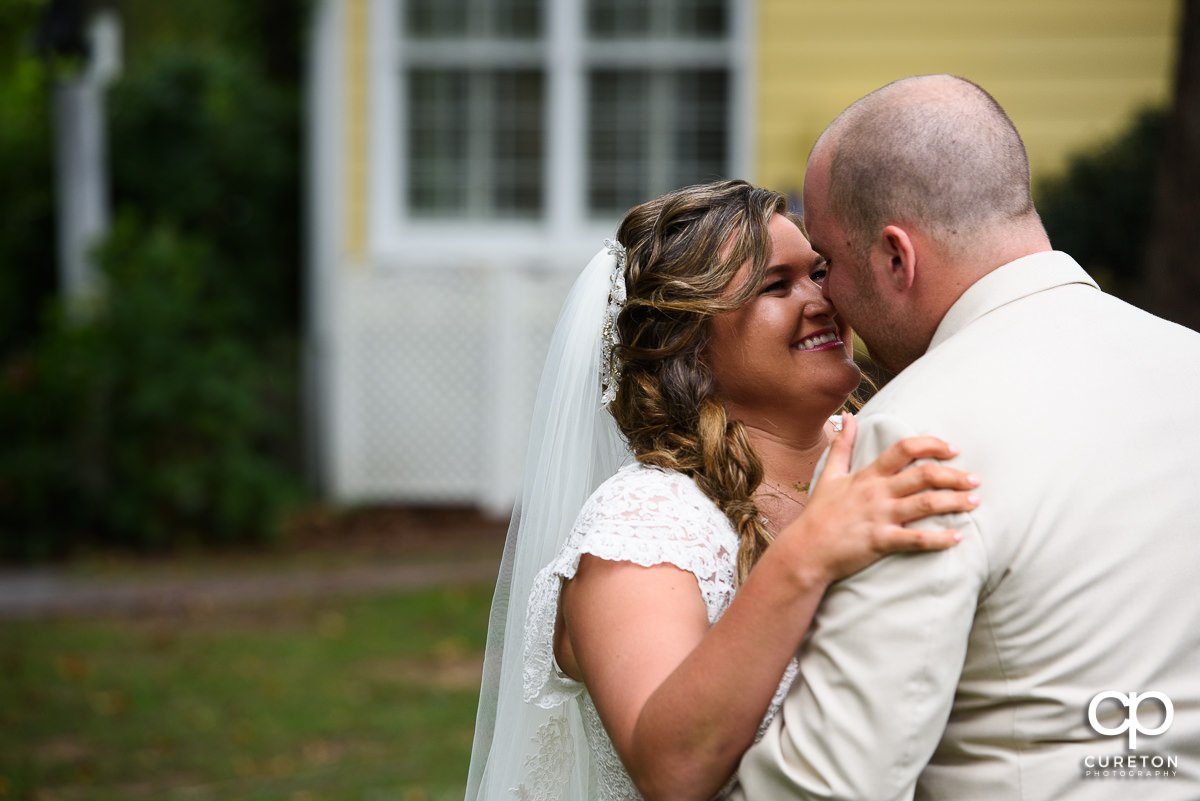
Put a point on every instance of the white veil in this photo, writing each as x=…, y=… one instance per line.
x=574, y=445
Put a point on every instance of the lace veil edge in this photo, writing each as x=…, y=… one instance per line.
x=574, y=445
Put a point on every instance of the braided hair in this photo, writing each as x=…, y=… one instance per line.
x=682, y=252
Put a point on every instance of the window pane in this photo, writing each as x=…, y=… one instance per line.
x=516, y=158
x=617, y=140
x=516, y=19
x=475, y=142
x=615, y=19
x=701, y=126
x=651, y=131
x=436, y=18
x=437, y=140
x=701, y=19
x=487, y=19
x=674, y=19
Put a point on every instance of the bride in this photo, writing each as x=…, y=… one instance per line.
x=686, y=401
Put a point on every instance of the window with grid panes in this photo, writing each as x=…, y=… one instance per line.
x=658, y=98
x=656, y=82
x=476, y=96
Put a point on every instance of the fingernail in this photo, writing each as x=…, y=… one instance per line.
x=954, y=450
x=973, y=480
x=973, y=500
x=958, y=536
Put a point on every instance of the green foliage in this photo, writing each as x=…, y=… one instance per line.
x=270, y=33
x=145, y=421
x=167, y=414
x=200, y=139
x=330, y=701
x=1099, y=209
x=27, y=257
x=17, y=20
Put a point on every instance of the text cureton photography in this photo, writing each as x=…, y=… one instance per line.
x=1130, y=765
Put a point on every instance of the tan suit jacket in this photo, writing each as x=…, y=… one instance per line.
x=968, y=674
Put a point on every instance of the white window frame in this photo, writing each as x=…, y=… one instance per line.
x=566, y=233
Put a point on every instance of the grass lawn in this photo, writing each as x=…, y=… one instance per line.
x=365, y=698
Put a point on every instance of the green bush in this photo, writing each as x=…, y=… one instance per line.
x=42, y=474
x=201, y=140
x=1099, y=209
x=144, y=422
x=167, y=414
x=28, y=267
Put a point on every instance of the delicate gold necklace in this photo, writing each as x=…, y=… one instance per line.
x=797, y=486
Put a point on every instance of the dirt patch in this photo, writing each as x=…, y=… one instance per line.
x=325, y=554
x=412, y=531
x=460, y=673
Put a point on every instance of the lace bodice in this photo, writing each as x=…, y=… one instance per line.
x=648, y=516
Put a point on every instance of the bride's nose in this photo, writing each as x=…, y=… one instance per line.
x=817, y=302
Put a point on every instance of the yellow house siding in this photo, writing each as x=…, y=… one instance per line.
x=356, y=94
x=1069, y=72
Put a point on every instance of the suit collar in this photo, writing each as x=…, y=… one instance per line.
x=1026, y=276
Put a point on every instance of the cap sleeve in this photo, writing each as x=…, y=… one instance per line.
x=642, y=515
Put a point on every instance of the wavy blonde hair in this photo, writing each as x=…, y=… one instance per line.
x=682, y=252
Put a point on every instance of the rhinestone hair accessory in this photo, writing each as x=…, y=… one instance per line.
x=610, y=372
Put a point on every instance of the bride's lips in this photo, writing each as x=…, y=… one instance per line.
x=825, y=339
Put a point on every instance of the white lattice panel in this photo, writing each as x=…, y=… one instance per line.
x=441, y=370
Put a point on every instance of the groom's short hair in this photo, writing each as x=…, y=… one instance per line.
x=935, y=151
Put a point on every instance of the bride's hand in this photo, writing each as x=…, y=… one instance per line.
x=854, y=519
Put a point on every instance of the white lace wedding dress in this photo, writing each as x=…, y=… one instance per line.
x=643, y=515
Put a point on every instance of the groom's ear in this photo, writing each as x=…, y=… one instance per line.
x=897, y=246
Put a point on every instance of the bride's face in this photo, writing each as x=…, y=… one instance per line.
x=786, y=351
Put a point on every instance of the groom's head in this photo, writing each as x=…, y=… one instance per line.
x=913, y=193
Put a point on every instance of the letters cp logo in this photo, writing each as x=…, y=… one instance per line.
x=1132, y=702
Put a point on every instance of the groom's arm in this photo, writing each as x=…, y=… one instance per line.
x=878, y=672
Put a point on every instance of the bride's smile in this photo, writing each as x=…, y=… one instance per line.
x=786, y=349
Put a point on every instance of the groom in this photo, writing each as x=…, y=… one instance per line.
x=1055, y=652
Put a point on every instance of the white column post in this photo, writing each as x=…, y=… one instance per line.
x=81, y=156
x=81, y=183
